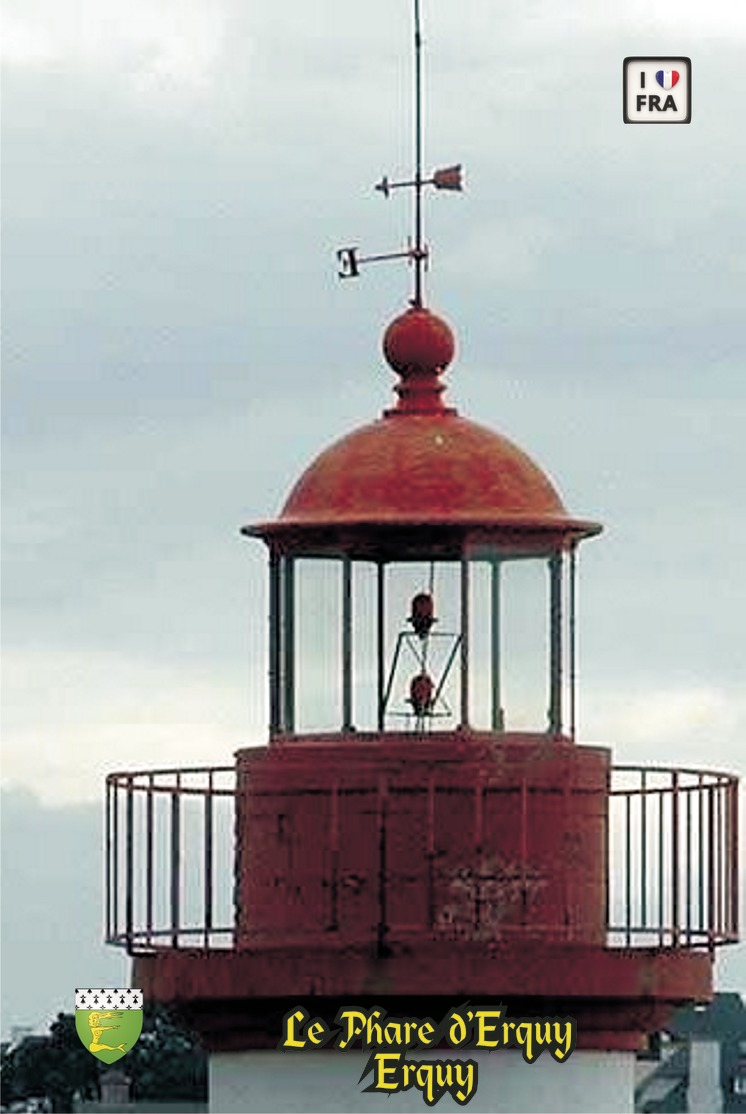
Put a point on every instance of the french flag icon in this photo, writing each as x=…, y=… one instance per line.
x=667, y=78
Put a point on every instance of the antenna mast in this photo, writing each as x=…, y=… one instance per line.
x=449, y=178
x=419, y=258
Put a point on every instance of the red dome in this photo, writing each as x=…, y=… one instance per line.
x=422, y=468
x=421, y=478
x=415, y=470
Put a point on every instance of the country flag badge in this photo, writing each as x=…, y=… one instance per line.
x=657, y=90
x=667, y=78
x=108, y=1021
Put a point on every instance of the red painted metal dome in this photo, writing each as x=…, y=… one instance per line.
x=422, y=468
x=422, y=465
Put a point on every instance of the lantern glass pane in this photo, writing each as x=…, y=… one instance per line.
x=318, y=645
x=525, y=644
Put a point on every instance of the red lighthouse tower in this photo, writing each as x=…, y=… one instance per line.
x=418, y=852
x=403, y=842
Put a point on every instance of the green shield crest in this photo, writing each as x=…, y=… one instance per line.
x=108, y=1021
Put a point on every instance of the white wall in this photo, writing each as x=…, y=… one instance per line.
x=327, y=1080
x=705, y=1092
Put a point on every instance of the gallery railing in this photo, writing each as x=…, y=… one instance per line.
x=169, y=858
x=672, y=858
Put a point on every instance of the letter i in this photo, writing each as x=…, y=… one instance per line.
x=642, y=80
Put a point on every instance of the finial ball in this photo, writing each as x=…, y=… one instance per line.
x=418, y=343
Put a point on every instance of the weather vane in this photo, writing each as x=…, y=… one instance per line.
x=449, y=178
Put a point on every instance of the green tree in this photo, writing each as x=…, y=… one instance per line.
x=53, y=1066
x=7, y=1075
x=167, y=1064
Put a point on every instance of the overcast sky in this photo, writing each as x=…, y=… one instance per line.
x=177, y=348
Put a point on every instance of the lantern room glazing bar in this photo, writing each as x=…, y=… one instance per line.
x=465, y=579
x=347, y=680
x=572, y=639
x=288, y=643
x=497, y=720
x=381, y=643
x=274, y=641
x=555, y=644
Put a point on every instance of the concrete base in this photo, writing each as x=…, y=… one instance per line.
x=327, y=1080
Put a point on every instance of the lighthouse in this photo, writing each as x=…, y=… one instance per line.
x=412, y=887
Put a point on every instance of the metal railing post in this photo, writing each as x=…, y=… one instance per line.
x=109, y=934
x=115, y=858
x=208, y=860
x=628, y=866
x=149, y=832
x=710, y=862
x=675, y=857
x=175, y=861
x=644, y=849
x=129, y=877
x=734, y=860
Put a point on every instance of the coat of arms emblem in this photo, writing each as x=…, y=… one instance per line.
x=108, y=1021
